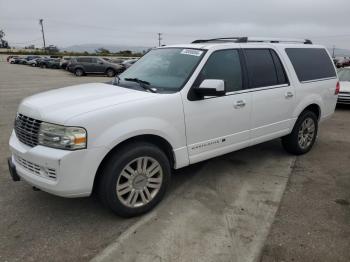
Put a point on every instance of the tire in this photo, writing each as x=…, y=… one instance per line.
x=43, y=66
x=140, y=194
x=303, y=135
x=110, y=72
x=79, y=72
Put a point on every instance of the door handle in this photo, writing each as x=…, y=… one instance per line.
x=239, y=104
x=289, y=95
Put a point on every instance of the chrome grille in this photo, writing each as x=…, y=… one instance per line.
x=27, y=130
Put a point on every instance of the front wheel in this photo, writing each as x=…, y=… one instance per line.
x=134, y=179
x=303, y=136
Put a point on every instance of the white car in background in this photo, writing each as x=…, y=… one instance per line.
x=176, y=106
x=13, y=59
x=344, y=81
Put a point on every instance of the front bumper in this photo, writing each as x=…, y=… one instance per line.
x=343, y=98
x=59, y=172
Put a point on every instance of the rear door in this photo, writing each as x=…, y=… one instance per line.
x=98, y=65
x=86, y=62
x=273, y=97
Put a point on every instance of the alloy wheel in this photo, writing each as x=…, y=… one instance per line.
x=139, y=182
x=306, y=133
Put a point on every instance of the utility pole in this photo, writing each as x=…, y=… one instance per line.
x=333, y=53
x=42, y=31
x=159, y=38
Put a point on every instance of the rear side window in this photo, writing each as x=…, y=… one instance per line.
x=261, y=68
x=311, y=63
x=225, y=65
x=84, y=60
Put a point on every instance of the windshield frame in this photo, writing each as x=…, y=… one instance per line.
x=170, y=90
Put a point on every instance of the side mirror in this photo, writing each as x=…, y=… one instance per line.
x=211, y=87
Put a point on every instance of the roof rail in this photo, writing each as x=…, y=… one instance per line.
x=252, y=40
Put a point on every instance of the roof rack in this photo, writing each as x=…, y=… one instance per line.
x=246, y=39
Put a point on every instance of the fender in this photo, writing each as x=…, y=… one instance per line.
x=307, y=101
x=130, y=128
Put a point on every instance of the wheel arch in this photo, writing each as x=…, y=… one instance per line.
x=109, y=67
x=156, y=140
x=79, y=67
x=315, y=108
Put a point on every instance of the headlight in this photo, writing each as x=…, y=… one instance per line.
x=62, y=137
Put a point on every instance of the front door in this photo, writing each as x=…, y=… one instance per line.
x=218, y=125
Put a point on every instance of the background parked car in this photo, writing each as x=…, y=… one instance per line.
x=93, y=65
x=9, y=57
x=344, y=82
x=13, y=59
x=343, y=62
x=64, y=62
x=20, y=60
x=128, y=63
x=54, y=63
x=117, y=60
x=44, y=62
x=34, y=62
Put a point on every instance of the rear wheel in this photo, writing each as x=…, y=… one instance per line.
x=134, y=179
x=79, y=72
x=110, y=72
x=304, y=134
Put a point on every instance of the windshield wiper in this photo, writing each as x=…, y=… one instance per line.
x=142, y=83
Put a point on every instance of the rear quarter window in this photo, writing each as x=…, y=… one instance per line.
x=311, y=63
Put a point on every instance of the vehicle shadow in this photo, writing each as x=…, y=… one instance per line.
x=71, y=227
x=343, y=107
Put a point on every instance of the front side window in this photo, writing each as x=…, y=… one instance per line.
x=163, y=69
x=224, y=65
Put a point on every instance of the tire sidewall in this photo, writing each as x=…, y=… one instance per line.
x=301, y=119
x=78, y=70
x=110, y=70
x=113, y=170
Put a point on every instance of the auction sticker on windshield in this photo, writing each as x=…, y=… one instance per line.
x=191, y=52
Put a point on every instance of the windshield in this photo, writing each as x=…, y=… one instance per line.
x=165, y=69
x=344, y=75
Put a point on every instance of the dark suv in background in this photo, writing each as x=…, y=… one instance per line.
x=93, y=65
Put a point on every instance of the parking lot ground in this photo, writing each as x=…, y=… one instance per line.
x=218, y=210
x=313, y=221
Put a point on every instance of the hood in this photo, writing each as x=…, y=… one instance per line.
x=344, y=86
x=59, y=105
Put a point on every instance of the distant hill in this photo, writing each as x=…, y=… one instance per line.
x=113, y=48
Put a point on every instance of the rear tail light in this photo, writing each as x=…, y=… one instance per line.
x=337, y=88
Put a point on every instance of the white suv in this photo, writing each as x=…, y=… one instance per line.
x=176, y=106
